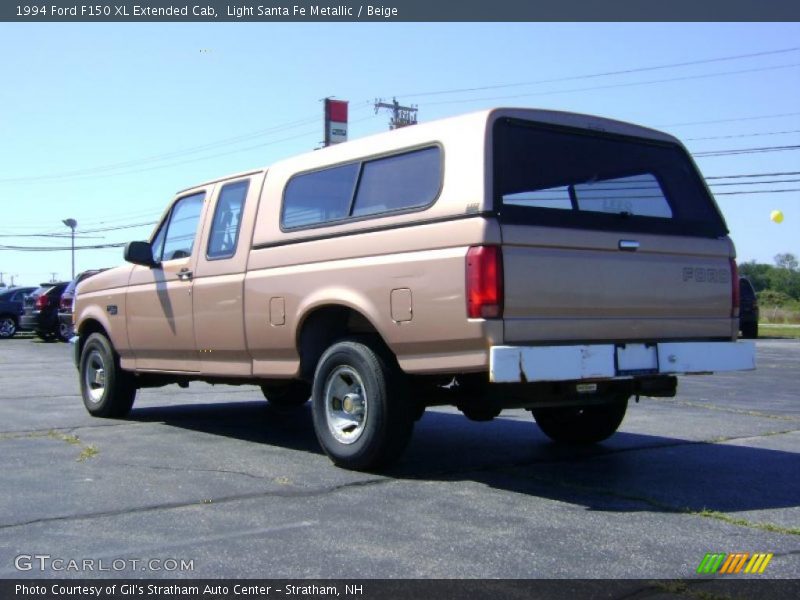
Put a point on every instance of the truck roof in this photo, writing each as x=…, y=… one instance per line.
x=450, y=129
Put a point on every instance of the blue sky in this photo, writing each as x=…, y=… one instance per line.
x=105, y=122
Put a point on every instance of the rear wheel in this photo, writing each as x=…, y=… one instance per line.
x=363, y=417
x=750, y=330
x=107, y=390
x=289, y=395
x=582, y=424
x=8, y=326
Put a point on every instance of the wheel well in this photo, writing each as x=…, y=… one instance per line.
x=3, y=315
x=323, y=327
x=89, y=327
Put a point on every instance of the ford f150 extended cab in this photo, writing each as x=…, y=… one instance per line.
x=503, y=259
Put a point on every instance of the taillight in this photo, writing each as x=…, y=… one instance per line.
x=735, y=292
x=484, y=282
x=41, y=302
x=66, y=304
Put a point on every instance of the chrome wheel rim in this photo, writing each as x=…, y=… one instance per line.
x=7, y=327
x=94, y=376
x=346, y=404
x=65, y=331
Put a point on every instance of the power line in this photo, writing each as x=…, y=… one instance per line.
x=740, y=135
x=769, y=181
x=124, y=166
x=49, y=235
x=619, y=85
x=183, y=162
x=785, y=173
x=731, y=120
x=756, y=192
x=167, y=155
x=746, y=151
x=604, y=74
x=60, y=248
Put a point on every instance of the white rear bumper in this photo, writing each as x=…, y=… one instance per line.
x=511, y=364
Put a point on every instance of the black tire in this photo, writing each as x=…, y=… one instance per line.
x=292, y=394
x=45, y=336
x=64, y=332
x=750, y=331
x=582, y=424
x=8, y=327
x=111, y=393
x=363, y=416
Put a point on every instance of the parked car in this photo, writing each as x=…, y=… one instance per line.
x=11, y=310
x=748, y=309
x=509, y=258
x=41, y=310
x=65, y=304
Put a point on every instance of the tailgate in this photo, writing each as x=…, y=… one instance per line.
x=607, y=237
x=573, y=285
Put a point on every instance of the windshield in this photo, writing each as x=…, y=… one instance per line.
x=565, y=177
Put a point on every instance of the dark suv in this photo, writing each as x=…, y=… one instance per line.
x=11, y=310
x=748, y=309
x=65, y=304
x=41, y=310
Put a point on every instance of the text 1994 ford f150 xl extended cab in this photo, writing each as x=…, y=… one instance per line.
x=508, y=258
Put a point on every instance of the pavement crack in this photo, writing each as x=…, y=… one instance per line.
x=288, y=493
x=197, y=470
x=22, y=433
x=735, y=411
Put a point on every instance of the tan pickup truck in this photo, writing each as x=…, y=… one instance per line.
x=509, y=258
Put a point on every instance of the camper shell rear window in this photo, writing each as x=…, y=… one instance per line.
x=566, y=177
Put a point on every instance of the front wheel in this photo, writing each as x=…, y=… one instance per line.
x=8, y=327
x=107, y=390
x=582, y=424
x=362, y=416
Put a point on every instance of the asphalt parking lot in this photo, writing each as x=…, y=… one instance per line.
x=214, y=476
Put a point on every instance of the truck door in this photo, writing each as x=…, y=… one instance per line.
x=159, y=301
x=218, y=296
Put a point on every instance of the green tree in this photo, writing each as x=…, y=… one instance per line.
x=770, y=298
x=785, y=281
x=758, y=274
x=786, y=260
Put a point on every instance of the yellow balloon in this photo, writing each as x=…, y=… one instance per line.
x=776, y=216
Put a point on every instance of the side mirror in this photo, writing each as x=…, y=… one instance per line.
x=140, y=253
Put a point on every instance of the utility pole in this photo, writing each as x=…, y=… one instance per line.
x=2, y=284
x=53, y=276
x=402, y=116
x=12, y=280
x=72, y=224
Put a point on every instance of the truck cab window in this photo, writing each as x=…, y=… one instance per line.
x=227, y=219
x=182, y=227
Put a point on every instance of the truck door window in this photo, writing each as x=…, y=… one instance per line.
x=224, y=235
x=182, y=227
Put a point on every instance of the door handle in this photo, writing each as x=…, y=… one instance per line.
x=185, y=275
x=629, y=245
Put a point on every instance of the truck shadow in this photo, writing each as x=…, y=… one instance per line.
x=628, y=472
